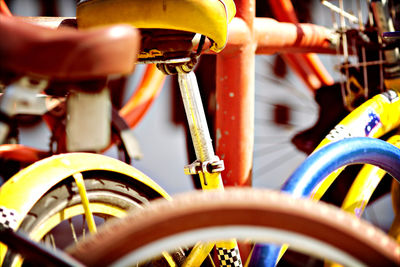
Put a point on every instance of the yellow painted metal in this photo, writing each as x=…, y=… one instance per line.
x=395, y=190
x=98, y=208
x=198, y=254
x=204, y=152
x=395, y=227
x=39, y=232
x=78, y=177
x=394, y=230
x=227, y=244
x=207, y=17
x=25, y=188
x=362, y=189
x=209, y=181
x=365, y=184
x=169, y=259
x=228, y=253
x=202, y=250
x=354, y=126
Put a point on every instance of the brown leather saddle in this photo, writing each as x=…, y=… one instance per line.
x=66, y=53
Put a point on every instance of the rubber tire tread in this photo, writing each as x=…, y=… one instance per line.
x=249, y=207
x=121, y=191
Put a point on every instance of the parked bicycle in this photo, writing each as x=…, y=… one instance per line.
x=175, y=51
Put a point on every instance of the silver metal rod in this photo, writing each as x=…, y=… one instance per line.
x=196, y=117
x=340, y=11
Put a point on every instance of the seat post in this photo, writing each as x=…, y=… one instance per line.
x=196, y=116
x=207, y=165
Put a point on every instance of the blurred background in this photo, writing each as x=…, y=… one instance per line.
x=284, y=106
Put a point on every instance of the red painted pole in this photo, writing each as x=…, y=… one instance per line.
x=235, y=99
x=235, y=102
x=235, y=79
x=284, y=37
x=284, y=11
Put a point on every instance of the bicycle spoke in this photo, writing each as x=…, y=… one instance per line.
x=52, y=241
x=270, y=140
x=84, y=227
x=71, y=225
x=268, y=101
x=277, y=163
x=303, y=98
x=288, y=124
x=268, y=150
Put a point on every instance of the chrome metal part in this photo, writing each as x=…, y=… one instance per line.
x=197, y=166
x=196, y=117
x=199, y=132
x=169, y=61
x=340, y=11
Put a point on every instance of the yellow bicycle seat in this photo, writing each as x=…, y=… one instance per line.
x=207, y=17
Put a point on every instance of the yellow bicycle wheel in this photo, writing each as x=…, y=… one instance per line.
x=58, y=218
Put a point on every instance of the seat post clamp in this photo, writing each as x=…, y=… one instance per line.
x=209, y=166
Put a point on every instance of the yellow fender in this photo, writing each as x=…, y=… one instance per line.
x=19, y=194
x=26, y=187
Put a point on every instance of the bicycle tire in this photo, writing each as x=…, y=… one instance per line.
x=109, y=194
x=242, y=213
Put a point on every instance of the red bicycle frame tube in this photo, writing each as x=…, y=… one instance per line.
x=235, y=77
x=273, y=36
x=21, y=153
x=146, y=92
x=235, y=83
x=235, y=99
x=284, y=12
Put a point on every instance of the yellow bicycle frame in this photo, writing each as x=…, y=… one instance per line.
x=385, y=109
x=385, y=113
x=365, y=184
x=362, y=189
x=24, y=189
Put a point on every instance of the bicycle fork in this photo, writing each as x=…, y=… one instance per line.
x=208, y=166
